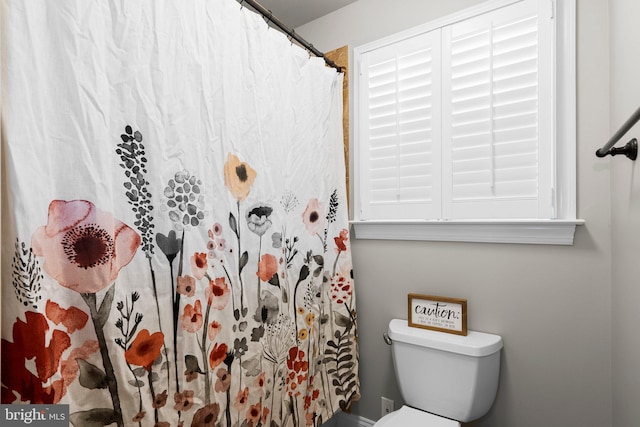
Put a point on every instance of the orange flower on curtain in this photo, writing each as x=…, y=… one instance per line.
x=238, y=177
x=145, y=349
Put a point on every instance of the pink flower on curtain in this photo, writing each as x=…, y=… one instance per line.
x=199, y=265
x=213, y=330
x=83, y=247
x=313, y=217
x=253, y=414
x=72, y=318
x=206, y=416
x=186, y=286
x=217, y=293
x=241, y=400
x=224, y=380
x=192, y=317
x=184, y=400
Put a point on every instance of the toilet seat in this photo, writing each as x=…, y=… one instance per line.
x=410, y=417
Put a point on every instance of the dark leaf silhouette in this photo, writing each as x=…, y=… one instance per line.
x=233, y=223
x=275, y=281
x=192, y=364
x=91, y=376
x=244, y=259
x=96, y=417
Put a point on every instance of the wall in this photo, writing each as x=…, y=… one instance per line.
x=625, y=215
x=552, y=305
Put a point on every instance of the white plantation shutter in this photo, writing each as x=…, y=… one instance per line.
x=456, y=122
x=496, y=135
x=400, y=163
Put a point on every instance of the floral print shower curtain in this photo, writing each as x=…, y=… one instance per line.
x=175, y=247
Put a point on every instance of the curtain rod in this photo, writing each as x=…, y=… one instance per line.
x=267, y=14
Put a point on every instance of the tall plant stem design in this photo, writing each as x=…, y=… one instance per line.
x=233, y=299
x=203, y=349
x=228, y=361
x=294, y=409
x=228, y=409
x=153, y=394
x=139, y=392
x=99, y=317
x=304, y=273
x=242, y=261
x=259, y=279
x=155, y=295
x=240, y=264
x=176, y=314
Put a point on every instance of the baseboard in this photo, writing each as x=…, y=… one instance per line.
x=341, y=419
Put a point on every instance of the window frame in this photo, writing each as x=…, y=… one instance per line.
x=558, y=231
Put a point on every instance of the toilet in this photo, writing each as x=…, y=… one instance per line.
x=444, y=379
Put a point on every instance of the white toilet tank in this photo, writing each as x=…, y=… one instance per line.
x=449, y=375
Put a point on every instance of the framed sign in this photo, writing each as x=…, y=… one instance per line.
x=438, y=313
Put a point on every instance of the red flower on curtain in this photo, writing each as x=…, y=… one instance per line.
x=30, y=342
x=341, y=289
x=217, y=355
x=298, y=367
x=341, y=240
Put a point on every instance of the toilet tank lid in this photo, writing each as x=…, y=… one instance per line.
x=475, y=343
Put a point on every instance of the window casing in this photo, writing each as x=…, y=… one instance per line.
x=456, y=127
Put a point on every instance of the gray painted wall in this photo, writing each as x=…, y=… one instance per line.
x=625, y=215
x=552, y=305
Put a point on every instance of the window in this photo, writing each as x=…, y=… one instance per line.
x=462, y=127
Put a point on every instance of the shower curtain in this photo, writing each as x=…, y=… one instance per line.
x=175, y=246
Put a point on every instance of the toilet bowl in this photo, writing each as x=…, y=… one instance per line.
x=445, y=379
x=409, y=417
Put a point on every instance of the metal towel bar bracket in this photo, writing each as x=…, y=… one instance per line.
x=631, y=148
